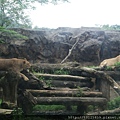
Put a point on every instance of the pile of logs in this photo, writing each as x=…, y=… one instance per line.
x=81, y=87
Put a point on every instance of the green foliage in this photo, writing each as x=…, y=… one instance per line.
x=115, y=103
x=17, y=114
x=9, y=34
x=92, y=108
x=117, y=64
x=79, y=94
x=13, y=12
x=48, y=82
x=108, y=68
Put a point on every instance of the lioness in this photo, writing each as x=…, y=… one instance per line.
x=15, y=65
x=110, y=62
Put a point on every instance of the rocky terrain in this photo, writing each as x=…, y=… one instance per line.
x=53, y=45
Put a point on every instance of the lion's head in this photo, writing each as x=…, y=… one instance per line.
x=25, y=64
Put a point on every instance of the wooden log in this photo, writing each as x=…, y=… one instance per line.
x=68, y=93
x=66, y=88
x=115, y=111
x=63, y=77
x=5, y=111
x=70, y=84
x=70, y=100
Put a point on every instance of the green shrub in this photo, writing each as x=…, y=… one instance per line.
x=115, y=103
x=117, y=64
x=108, y=68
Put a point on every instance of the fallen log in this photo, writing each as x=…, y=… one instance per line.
x=68, y=93
x=70, y=100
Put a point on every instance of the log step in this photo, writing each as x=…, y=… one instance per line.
x=70, y=93
x=70, y=100
x=71, y=84
x=63, y=77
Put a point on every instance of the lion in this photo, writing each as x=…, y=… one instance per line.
x=15, y=65
x=110, y=62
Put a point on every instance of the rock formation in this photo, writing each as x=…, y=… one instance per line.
x=53, y=45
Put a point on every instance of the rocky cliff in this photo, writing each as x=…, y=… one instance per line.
x=53, y=45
